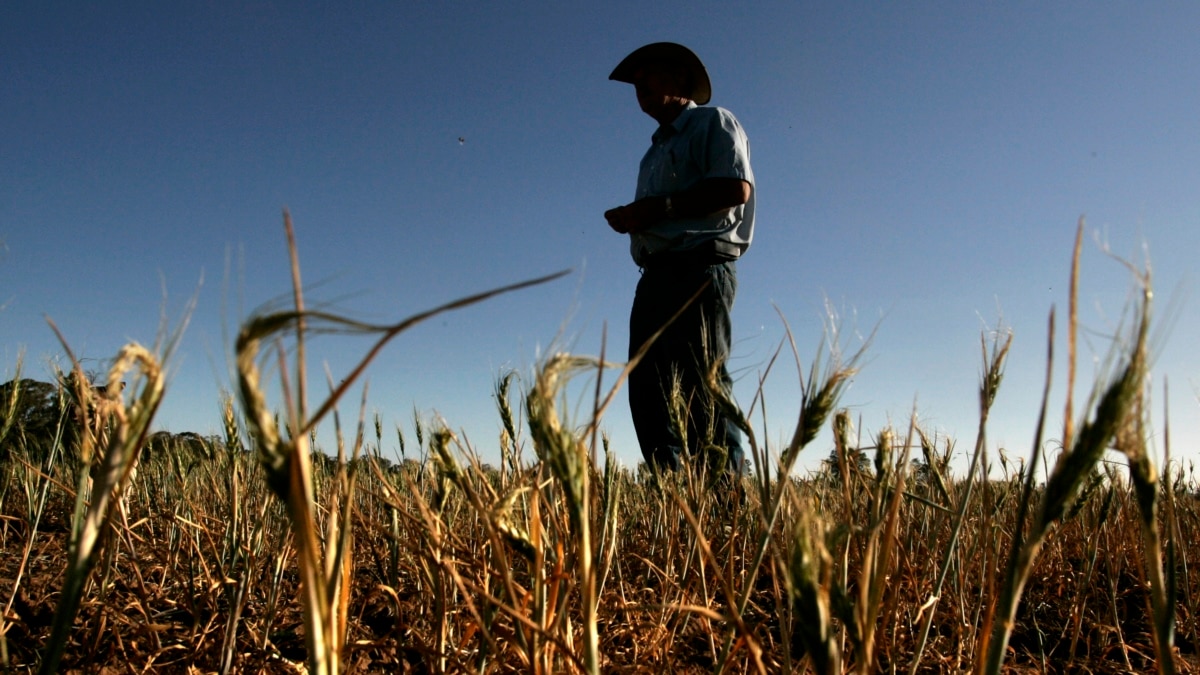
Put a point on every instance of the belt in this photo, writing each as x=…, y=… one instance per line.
x=712, y=252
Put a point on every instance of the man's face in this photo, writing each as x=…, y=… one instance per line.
x=659, y=89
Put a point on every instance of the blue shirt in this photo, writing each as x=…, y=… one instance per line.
x=703, y=142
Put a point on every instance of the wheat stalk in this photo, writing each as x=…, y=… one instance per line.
x=1115, y=402
x=563, y=451
x=130, y=423
x=287, y=461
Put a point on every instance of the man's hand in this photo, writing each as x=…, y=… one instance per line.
x=706, y=197
x=638, y=216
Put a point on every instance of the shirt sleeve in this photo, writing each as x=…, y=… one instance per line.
x=724, y=149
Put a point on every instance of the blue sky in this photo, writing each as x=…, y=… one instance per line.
x=921, y=168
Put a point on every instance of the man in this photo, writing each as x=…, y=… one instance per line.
x=693, y=216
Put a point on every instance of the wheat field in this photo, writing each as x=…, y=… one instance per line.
x=258, y=552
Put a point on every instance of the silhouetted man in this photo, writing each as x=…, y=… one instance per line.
x=693, y=216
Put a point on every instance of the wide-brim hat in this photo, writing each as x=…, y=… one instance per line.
x=669, y=54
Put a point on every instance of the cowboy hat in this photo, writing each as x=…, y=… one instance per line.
x=669, y=54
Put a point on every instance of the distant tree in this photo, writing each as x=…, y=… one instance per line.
x=411, y=467
x=32, y=414
x=187, y=446
x=385, y=465
x=321, y=461
x=920, y=471
x=857, y=462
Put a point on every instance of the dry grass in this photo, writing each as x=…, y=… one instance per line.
x=257, y=553
x=494, y=590
x=193, y=582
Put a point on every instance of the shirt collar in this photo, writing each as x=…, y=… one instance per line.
x=668, y=130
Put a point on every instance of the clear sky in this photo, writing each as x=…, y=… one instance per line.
x=921, y=168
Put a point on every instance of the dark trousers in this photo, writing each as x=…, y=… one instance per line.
x=699, y=338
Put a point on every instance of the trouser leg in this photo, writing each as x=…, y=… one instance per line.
x=698, y=338
x=654, y=303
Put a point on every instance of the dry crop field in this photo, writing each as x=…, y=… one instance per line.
x=126, y=551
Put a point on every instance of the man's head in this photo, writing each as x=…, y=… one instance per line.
x=666, y=76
